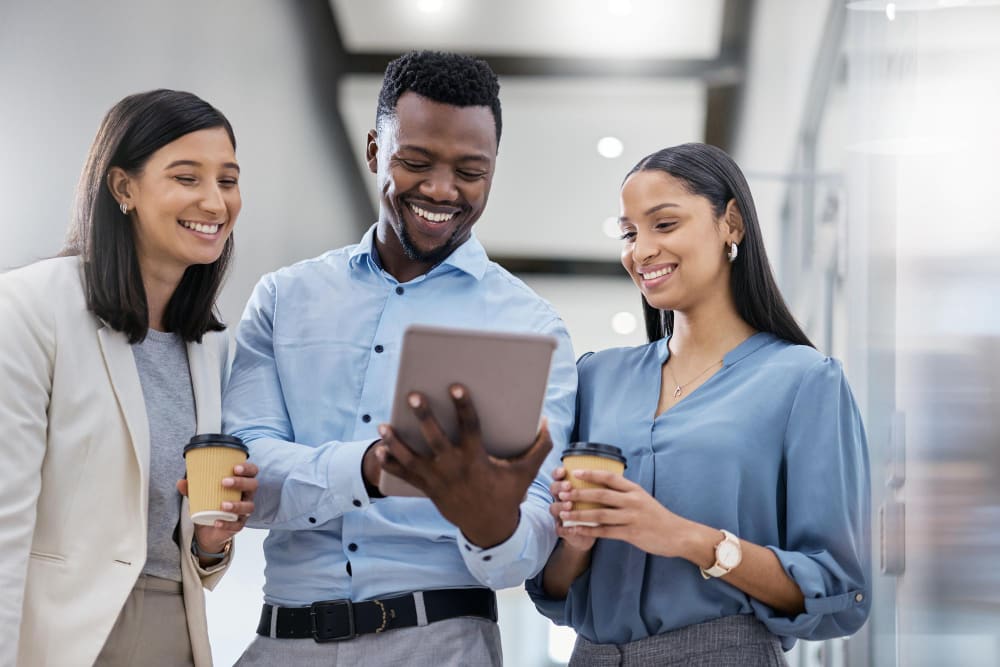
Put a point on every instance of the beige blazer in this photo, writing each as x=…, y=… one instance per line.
x=74, y=449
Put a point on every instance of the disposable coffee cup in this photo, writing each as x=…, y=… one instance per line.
x=211, y=457
x=590, y=456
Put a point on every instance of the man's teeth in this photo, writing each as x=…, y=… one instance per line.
x=433, y=217
x=657, y=274
x=199, y=227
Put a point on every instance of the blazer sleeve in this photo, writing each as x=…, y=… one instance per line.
x=27, y=351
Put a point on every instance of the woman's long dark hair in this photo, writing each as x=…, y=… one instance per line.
x=104, y=237
x=709, y=172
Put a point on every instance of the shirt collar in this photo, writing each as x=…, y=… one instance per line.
x=470, y=257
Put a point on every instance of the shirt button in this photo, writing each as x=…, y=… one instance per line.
x=399, y=289
x=312, y=519
x=366, y=418
x=352, y=546
x=859, y=597
x=379, y=349
x=357, y=503
x=487, y=557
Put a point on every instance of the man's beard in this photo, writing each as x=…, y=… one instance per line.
x=433, y=257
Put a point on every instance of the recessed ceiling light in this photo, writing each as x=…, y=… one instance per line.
x=623, y=323
x=611, y=228
x=610, y=147
x=620, y=7
x=430, y=6
x=890, y=11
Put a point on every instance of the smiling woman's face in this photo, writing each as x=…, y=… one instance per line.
x=185, y=202
x=674, y=245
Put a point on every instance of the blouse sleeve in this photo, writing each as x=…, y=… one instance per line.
x=827, y=537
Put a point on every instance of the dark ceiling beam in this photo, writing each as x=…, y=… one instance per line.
x=562, y=266
x=716, y=71
x=325, y=56
x=724, y=98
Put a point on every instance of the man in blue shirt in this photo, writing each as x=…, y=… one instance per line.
x=352, y=577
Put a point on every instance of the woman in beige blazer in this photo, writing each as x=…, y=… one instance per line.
x=93, y=421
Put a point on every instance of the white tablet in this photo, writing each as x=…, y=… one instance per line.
x=506, y=375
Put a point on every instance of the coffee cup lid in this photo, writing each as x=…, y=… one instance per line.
x=593, y=449
x=215, y=440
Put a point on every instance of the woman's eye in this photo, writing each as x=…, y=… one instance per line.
x=627, y=236
x=229, y=182
x=186, y=180
x=665, y=225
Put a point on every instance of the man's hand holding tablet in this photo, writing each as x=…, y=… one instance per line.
x=466, y=429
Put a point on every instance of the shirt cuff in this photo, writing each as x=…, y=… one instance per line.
x=828, y=613
x=346, y=488
x=490, y=565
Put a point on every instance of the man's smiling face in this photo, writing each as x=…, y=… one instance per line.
x=434, y=164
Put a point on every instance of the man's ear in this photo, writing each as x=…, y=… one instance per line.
x=120, y=183
x=734, y=222
x=371, y=151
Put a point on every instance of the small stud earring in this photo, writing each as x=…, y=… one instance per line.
x=124, y=208
x=734, y=251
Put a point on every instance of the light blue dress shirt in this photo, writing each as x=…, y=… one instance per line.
x=771, y=448
x=314, y=374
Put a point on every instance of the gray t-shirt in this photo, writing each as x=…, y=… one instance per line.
x=166, y=387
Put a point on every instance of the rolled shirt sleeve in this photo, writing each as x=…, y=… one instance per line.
x=827, y=549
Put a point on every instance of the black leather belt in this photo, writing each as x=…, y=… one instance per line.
x=337, y=620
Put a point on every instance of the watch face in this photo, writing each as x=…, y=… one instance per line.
x=728, y=555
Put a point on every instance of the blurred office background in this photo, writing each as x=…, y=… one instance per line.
x=868, y=130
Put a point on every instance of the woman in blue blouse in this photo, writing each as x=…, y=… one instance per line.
x=742, y=520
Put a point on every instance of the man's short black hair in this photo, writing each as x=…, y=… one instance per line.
x=449, y=78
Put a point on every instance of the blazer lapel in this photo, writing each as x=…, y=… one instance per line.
x=205, y=382
x=120, y=362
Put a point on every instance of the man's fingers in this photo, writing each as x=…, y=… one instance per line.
x=182, y=487
x=396, y=448
x=468, y=419
x=534, y=458
x=429, y=427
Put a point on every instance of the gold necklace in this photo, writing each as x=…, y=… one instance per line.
x=680, y=387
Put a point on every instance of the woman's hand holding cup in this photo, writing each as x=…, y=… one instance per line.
x=560, y=490
x=220, y=503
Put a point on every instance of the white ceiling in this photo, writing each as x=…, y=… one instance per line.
x=553, y=191
x=568, y=28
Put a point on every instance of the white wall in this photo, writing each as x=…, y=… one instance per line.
x=63, y=64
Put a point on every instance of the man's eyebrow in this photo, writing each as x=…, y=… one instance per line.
x=478, y=157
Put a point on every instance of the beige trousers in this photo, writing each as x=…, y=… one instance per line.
x=151, y=629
